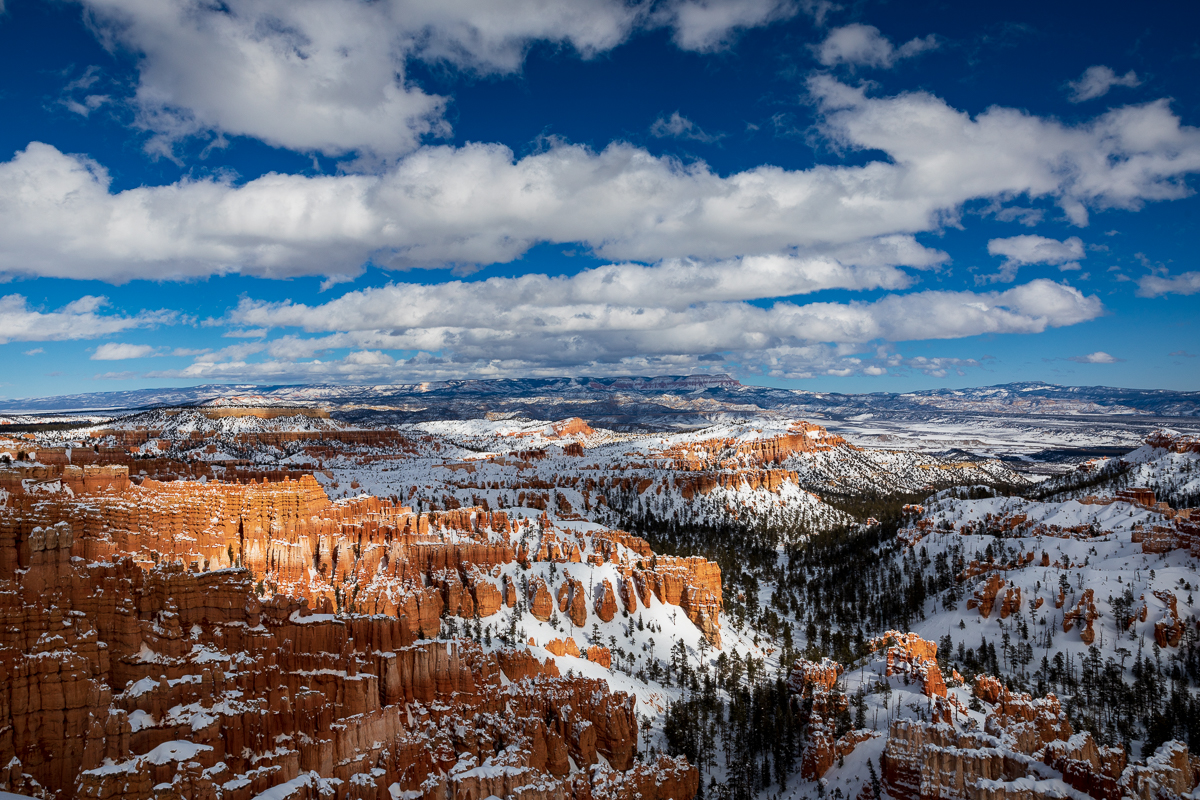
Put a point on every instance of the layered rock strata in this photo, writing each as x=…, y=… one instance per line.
x=220, y=640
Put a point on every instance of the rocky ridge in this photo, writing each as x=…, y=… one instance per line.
x=216, y=640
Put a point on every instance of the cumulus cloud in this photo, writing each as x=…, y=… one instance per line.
x=1098, y=357
x=1096, y=81
x=469, y=329
x=706, y=25
x=1158, y=285
x=554, y=324
x=357, y=366
x=1019, y=251
x=80, y=319
x=330, y=75
x=678, y=126
x=1121, y=159
x=113, y=351
x=606, y=322
x=478, y=204
x=864, y=46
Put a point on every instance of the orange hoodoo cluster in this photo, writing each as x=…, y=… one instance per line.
x=139, y=659
x=730, y=453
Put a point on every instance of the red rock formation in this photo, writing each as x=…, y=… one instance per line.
x=182, y=646
x=814, y=684
x=541, y=605
x=600, y=655
x=484, y=592
x=569, y=427
x=1086, y=767
x=1170, y=772
x=693, y=584
x=771, y=480
x=1085, y=613
x=563, y=647
x=606, y=601
x=665, y=779
x=912, y=654
x=571, y=601
x=628, y=595
x=1173, y=442
x=985, y=595
x=934, y=760
x=1169, y=630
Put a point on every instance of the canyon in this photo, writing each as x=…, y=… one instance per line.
x=244, y=602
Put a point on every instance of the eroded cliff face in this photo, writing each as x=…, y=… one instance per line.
x=180, y=640
x=1012, y=745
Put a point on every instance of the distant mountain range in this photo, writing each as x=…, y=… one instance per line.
x=668, y=401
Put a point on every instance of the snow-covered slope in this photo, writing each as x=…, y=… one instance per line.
x=1060, y=585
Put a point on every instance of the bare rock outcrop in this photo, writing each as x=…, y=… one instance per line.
x=605, y=602
x=220, y=640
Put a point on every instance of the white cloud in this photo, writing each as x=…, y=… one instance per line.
x=37, y=351
x=330, y=75
x=77, y=320
x=672, y=285
x=1098, y=357
x=863, y=45
x=1121, y=159
x=553, y=324
x=1019, y=251
x=615, y=321
x=113, y=351
x=1096, y=81
x=1158, y=285
x=305, y=75
x=706, y=25
x=1030, y=249
x=465, y=330
x=678, y=126
x=477, y=205
x=372, y=366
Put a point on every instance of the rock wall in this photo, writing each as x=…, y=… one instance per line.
x=1026, y=749
x=217, y=640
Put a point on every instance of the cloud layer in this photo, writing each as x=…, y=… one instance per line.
x=1159, y=285
x=1098, y=357
x=708, y=267
x=477, y=204
x=81, y=319
x=1096, y=81
x=113, y=351
x=603, y=322
x=859, y=45
x=1020, y=251
x=330, y=76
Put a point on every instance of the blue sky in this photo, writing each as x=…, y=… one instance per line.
x=857, y=197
